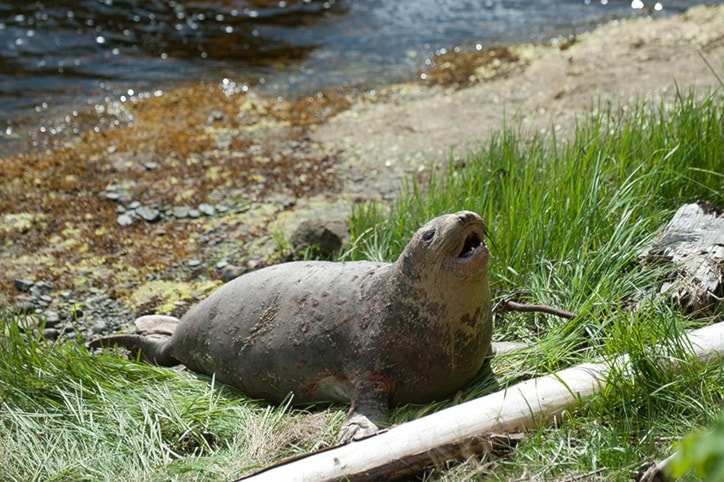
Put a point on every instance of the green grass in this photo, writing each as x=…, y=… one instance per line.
x=566, y=217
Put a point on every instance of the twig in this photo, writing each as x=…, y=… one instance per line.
x=655, y=471
x=510, y=305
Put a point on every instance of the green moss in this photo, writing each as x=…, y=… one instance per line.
x=163, y=295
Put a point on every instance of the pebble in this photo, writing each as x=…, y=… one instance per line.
x=222, y=208
x=181, y=212
x=194, y=213
x=134, y=205
x=100, y=326
x=113, y=196
x=221, y=264
x=148, y=214
x=229, y=272
x=124, y=220
x=215, y=116
x=207, y=209
x=24, y=306
x=23, y=285
x=51, y=334
x=194, y=263
x=150, y=166
x=45, y=287
x=52, y=318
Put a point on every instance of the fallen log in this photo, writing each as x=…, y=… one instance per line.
x=465, y=428
x=692, y=243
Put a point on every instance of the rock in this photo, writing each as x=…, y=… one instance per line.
x=222, y=264
x=44, y=300
x=24, y=306
x=207, y=209
x=52, y=318
x=229, y=272
x=215, y=116
x=100, y=326
x=148, y=214
x=253, y=264
x=45, y=287
x=222, y=208
x=23, y=285
x=134, y=205
x=181, y=212
x=51, y=334
x=324, y=238
x=194, y=213
x=124, y=219
x=194, y=263
x=150, y=166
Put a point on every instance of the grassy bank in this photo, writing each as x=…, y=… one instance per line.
x=566, y=219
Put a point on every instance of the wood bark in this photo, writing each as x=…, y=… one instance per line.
x=692, y=243
x=457, y=431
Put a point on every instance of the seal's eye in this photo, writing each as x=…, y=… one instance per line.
x=428, y=235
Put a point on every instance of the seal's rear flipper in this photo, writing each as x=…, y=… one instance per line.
x=154, y=349
x=161, y=324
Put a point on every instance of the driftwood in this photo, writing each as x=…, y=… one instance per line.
x=693, y=244
x=510, y=305
x=457, y=431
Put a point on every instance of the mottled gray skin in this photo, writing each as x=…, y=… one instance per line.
x=373, y=334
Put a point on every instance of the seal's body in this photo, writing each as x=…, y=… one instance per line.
x=373, y=334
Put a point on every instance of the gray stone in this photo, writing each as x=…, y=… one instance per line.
x=134, y=205
x=150, y=166
x=194, y=263
x=45, y=287
x=324, y=238
x=23, y=285
x=24, y=306
x=207, y=209
x=124, y=220
x=148, y=214
x=52, y=318
x=194, y=213
x=181, y=212
x=51, y=334
x=215, y=116
x=229, y=272
x=100, y=326
x=222, y=208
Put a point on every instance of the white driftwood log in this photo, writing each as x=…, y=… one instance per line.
x=435, y=436
x=693, y=243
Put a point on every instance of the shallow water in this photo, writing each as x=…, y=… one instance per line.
x=67, y=55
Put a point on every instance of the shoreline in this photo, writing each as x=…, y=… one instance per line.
x=265, y=165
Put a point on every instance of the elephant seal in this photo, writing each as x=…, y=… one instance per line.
x=373, y=334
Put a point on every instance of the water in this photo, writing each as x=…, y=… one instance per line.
x=62, y=56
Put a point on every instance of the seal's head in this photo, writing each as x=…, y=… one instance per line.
x=449, y=248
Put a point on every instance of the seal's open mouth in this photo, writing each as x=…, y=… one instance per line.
x=472, y=242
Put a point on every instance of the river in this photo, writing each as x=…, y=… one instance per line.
x=58, y=58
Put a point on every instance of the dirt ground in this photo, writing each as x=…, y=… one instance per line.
x=265, y=165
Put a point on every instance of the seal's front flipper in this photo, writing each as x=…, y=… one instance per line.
x=154, y=349
x=356, y=427
x=369, y=410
